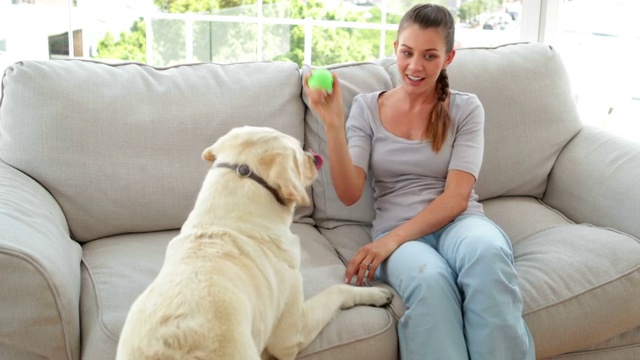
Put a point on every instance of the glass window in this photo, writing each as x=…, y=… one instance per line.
x=167, y=32
x=600, y=43
x=598, y=40
x=488, y=23
x=34, y=31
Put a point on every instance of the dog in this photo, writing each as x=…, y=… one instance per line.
x=230, y=286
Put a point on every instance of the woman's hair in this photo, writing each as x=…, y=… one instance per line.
x=435, y=16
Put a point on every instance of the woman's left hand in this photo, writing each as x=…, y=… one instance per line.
x=368, y=258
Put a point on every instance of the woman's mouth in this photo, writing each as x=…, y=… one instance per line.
x=414, y=80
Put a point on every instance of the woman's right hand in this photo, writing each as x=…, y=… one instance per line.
x=327, y=105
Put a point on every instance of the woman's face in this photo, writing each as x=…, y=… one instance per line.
x=421, y=55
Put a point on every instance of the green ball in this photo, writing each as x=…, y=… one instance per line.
x=321, y=79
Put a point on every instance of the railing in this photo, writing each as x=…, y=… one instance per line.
x=260, y=21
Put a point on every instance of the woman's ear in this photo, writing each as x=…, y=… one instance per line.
x=449, y=58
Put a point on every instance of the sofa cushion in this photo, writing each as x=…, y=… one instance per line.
x=328, y=210
x=522, y=216
x=119, y=146
x=117, y=269
x=346, y=240
x=625, y=346
x=580, y=283
x=39, y=273
x=362, y=332
x=595, y=176
x=530, y=114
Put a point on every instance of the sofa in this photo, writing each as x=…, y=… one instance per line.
x=100, y=166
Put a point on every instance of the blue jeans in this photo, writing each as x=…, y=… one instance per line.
x=461, y=292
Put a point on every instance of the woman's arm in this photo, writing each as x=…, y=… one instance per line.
x=444, y=209
x=441, y=211
x=348, y=179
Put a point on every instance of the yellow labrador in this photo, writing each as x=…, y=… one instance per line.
x=230, y=286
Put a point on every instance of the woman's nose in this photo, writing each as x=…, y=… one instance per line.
x=415, y=64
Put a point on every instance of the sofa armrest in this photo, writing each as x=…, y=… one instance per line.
x=40, y=267
x=595, y=180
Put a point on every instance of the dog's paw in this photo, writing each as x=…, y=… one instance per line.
x=379, y=296
x=373, y=296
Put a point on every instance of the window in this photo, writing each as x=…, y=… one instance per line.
x=601, y=50
x=598, y=40
x=168, y=32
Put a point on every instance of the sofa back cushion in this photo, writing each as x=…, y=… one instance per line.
x=530, y=116
x=119, y=146
x=530, y=113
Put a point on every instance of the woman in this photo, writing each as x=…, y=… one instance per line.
x=422, y=145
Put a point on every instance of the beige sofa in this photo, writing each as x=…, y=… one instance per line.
x=100, y=165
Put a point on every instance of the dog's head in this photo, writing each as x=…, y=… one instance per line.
x=275, y=157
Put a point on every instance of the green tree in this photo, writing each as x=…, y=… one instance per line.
x=471, y=9
x=330, y=45
x=223, y=42
x=401, y=6
x=203, y=6
x=130, y=46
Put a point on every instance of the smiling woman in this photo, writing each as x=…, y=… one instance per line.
x=420, y=145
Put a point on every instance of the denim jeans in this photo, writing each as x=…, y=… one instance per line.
x=462, y=295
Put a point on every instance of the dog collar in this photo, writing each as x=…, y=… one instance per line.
x=243, y=170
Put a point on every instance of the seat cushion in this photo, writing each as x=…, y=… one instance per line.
x=119, y=146
x=580, y=283
x=362, y=332
x=523, y=216
x=347, y=239
x=117, y=269
x=625, y=346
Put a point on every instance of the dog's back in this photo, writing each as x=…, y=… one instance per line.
x=191, y=312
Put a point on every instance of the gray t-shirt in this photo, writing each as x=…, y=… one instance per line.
x=407, y=175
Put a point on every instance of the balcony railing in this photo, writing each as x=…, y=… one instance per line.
x=308, y=24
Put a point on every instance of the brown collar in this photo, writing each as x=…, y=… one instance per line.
x=243, y=170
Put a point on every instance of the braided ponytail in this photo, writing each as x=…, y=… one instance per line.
x=443, y=86
x=440, y=119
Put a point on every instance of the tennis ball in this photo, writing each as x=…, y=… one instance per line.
x=321, y=79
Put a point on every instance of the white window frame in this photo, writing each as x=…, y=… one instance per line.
x=540, y=19
x=307, y=23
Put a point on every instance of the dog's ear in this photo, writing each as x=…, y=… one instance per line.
x=285, y=174
x=209, y=155
x=294, y=192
